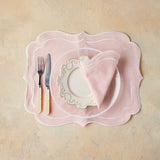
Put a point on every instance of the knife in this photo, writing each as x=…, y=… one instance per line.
x=47, y=100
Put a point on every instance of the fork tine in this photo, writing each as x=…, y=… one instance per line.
x=40, y=63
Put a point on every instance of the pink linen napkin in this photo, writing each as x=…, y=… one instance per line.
x=62, y=47
x=99, y=73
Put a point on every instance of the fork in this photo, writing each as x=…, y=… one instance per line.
x=40, y=90
x=40, y=68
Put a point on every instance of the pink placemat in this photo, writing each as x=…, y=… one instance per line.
x=62, y=47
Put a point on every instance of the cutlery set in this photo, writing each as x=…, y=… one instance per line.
x=44, y=104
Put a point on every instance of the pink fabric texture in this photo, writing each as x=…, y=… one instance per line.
x=99, y=73
x=108, y=51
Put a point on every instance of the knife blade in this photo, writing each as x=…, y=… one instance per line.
x=48, y=70
x=47, y=99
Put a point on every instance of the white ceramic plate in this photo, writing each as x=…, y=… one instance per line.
x=74, y=88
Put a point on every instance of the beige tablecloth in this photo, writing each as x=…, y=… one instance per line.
x=21, y=136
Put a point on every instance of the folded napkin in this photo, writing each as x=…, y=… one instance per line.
x=110, y=53
x=99, y=73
